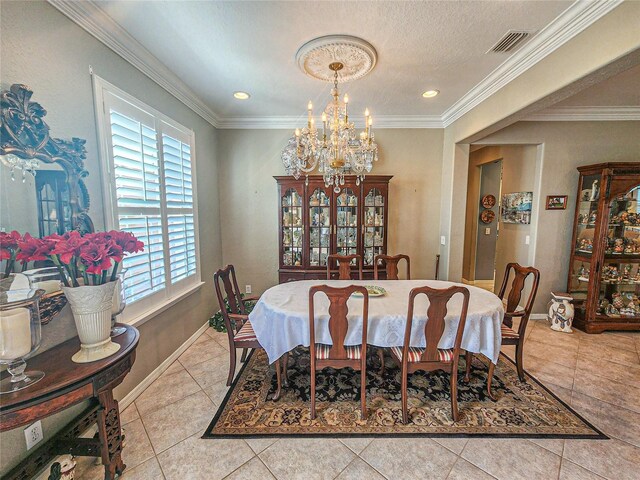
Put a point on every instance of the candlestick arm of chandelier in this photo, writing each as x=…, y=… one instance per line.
x=337, y=150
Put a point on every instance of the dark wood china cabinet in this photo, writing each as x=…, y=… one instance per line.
x=604, y=271
x=315, y=221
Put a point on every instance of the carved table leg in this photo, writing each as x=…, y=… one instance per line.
x=492, y=367
x=285, y=370
x=110, y=435
x=276, y=395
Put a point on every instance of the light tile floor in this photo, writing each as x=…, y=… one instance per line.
x=599, y=375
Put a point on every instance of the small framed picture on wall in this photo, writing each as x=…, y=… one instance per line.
x=556, y=202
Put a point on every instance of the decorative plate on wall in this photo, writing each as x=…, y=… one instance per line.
x=487, y=216
x=488, y=201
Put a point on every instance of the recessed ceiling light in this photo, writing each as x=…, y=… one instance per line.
x=241, y=95
x=430, y=93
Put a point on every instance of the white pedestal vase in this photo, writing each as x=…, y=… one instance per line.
x=91, y=307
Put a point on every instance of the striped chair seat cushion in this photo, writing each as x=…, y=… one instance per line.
x=508, y=332
x=353, y=351
x=416, y=352
x=246, y=333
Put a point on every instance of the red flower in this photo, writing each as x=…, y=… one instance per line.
x=5, y=254
x=95, y=257
x=114, y=251
x=9, y=241
x=68, y=246
x=34, y=249
x=127, y=241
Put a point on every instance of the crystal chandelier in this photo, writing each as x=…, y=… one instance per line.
x=24, y=165
x=338, y=150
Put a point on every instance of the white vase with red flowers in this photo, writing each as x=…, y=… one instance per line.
x=89, y=265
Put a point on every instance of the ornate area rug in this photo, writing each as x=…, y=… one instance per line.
x=522, y=409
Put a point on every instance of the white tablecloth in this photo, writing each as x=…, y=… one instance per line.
x=281, y=317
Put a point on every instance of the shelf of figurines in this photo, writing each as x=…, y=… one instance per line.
x=616, y=248
x=612, y=275
x=623, y=219
x=621, y=305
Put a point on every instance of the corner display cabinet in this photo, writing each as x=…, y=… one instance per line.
x=315, y=222
x=604, y=273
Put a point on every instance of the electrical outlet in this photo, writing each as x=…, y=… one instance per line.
x=33, y=434
x=443, y=240
x=247, y=289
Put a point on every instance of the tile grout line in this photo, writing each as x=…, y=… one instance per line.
x=243, y=464
x=172, y=402
x=347, y=466
x=359, y=455
x=265, y=463
x=162, y=451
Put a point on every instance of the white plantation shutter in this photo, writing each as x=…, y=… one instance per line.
x=179, y=201
x=150, y=168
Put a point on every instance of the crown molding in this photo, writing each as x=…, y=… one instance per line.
x=96, y=22
x=295, y=121
x=586, y=114
x=576, y=18
x=568, y=24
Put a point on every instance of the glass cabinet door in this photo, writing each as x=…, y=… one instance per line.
x=292, y=228
x=620, y=277
x=319, y=226
x=373, y=223
x=587, y=214
x=347, y=222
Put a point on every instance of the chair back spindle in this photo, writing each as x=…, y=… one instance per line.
x=338, y=322
x=435, y=324
x=227, y=288
x=344, y=266
x=391, y=265
x=515, y=293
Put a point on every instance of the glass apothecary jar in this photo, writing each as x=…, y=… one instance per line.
x=20, y=332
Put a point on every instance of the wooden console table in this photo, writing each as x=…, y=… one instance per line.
x=66, y=384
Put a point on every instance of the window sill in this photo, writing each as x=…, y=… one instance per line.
x=144, y=317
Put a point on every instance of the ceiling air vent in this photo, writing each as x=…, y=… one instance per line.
x=510, y=40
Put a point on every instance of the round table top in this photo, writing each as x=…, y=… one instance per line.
x=293, y=297
x=61, y=374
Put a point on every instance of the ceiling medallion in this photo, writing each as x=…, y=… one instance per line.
x=337, y=150
x=357, y=56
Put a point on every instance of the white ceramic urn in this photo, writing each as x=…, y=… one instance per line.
x=561, y=312
x=91, y=307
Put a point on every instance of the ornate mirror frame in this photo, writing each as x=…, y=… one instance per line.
x=25, y=134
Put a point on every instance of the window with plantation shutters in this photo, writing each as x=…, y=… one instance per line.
x=150, y=168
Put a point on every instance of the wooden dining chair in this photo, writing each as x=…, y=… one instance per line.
x=344, y=266
x=338, y=355
x=431, y=357
x=512, y=310
x=239, y=329
x=391, y=265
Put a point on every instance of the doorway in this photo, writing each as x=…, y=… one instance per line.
x=493, y=239
x=488, y=229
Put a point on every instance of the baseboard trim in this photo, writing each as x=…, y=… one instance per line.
x=538, y=316
x=130, y=397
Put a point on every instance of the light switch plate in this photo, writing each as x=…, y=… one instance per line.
x=247, y=289
x=487, y=231
x=443, y=240
x=527, y=240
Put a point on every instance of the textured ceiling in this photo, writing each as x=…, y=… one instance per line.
x=219, y=47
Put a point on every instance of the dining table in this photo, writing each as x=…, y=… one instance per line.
x=280, y=318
